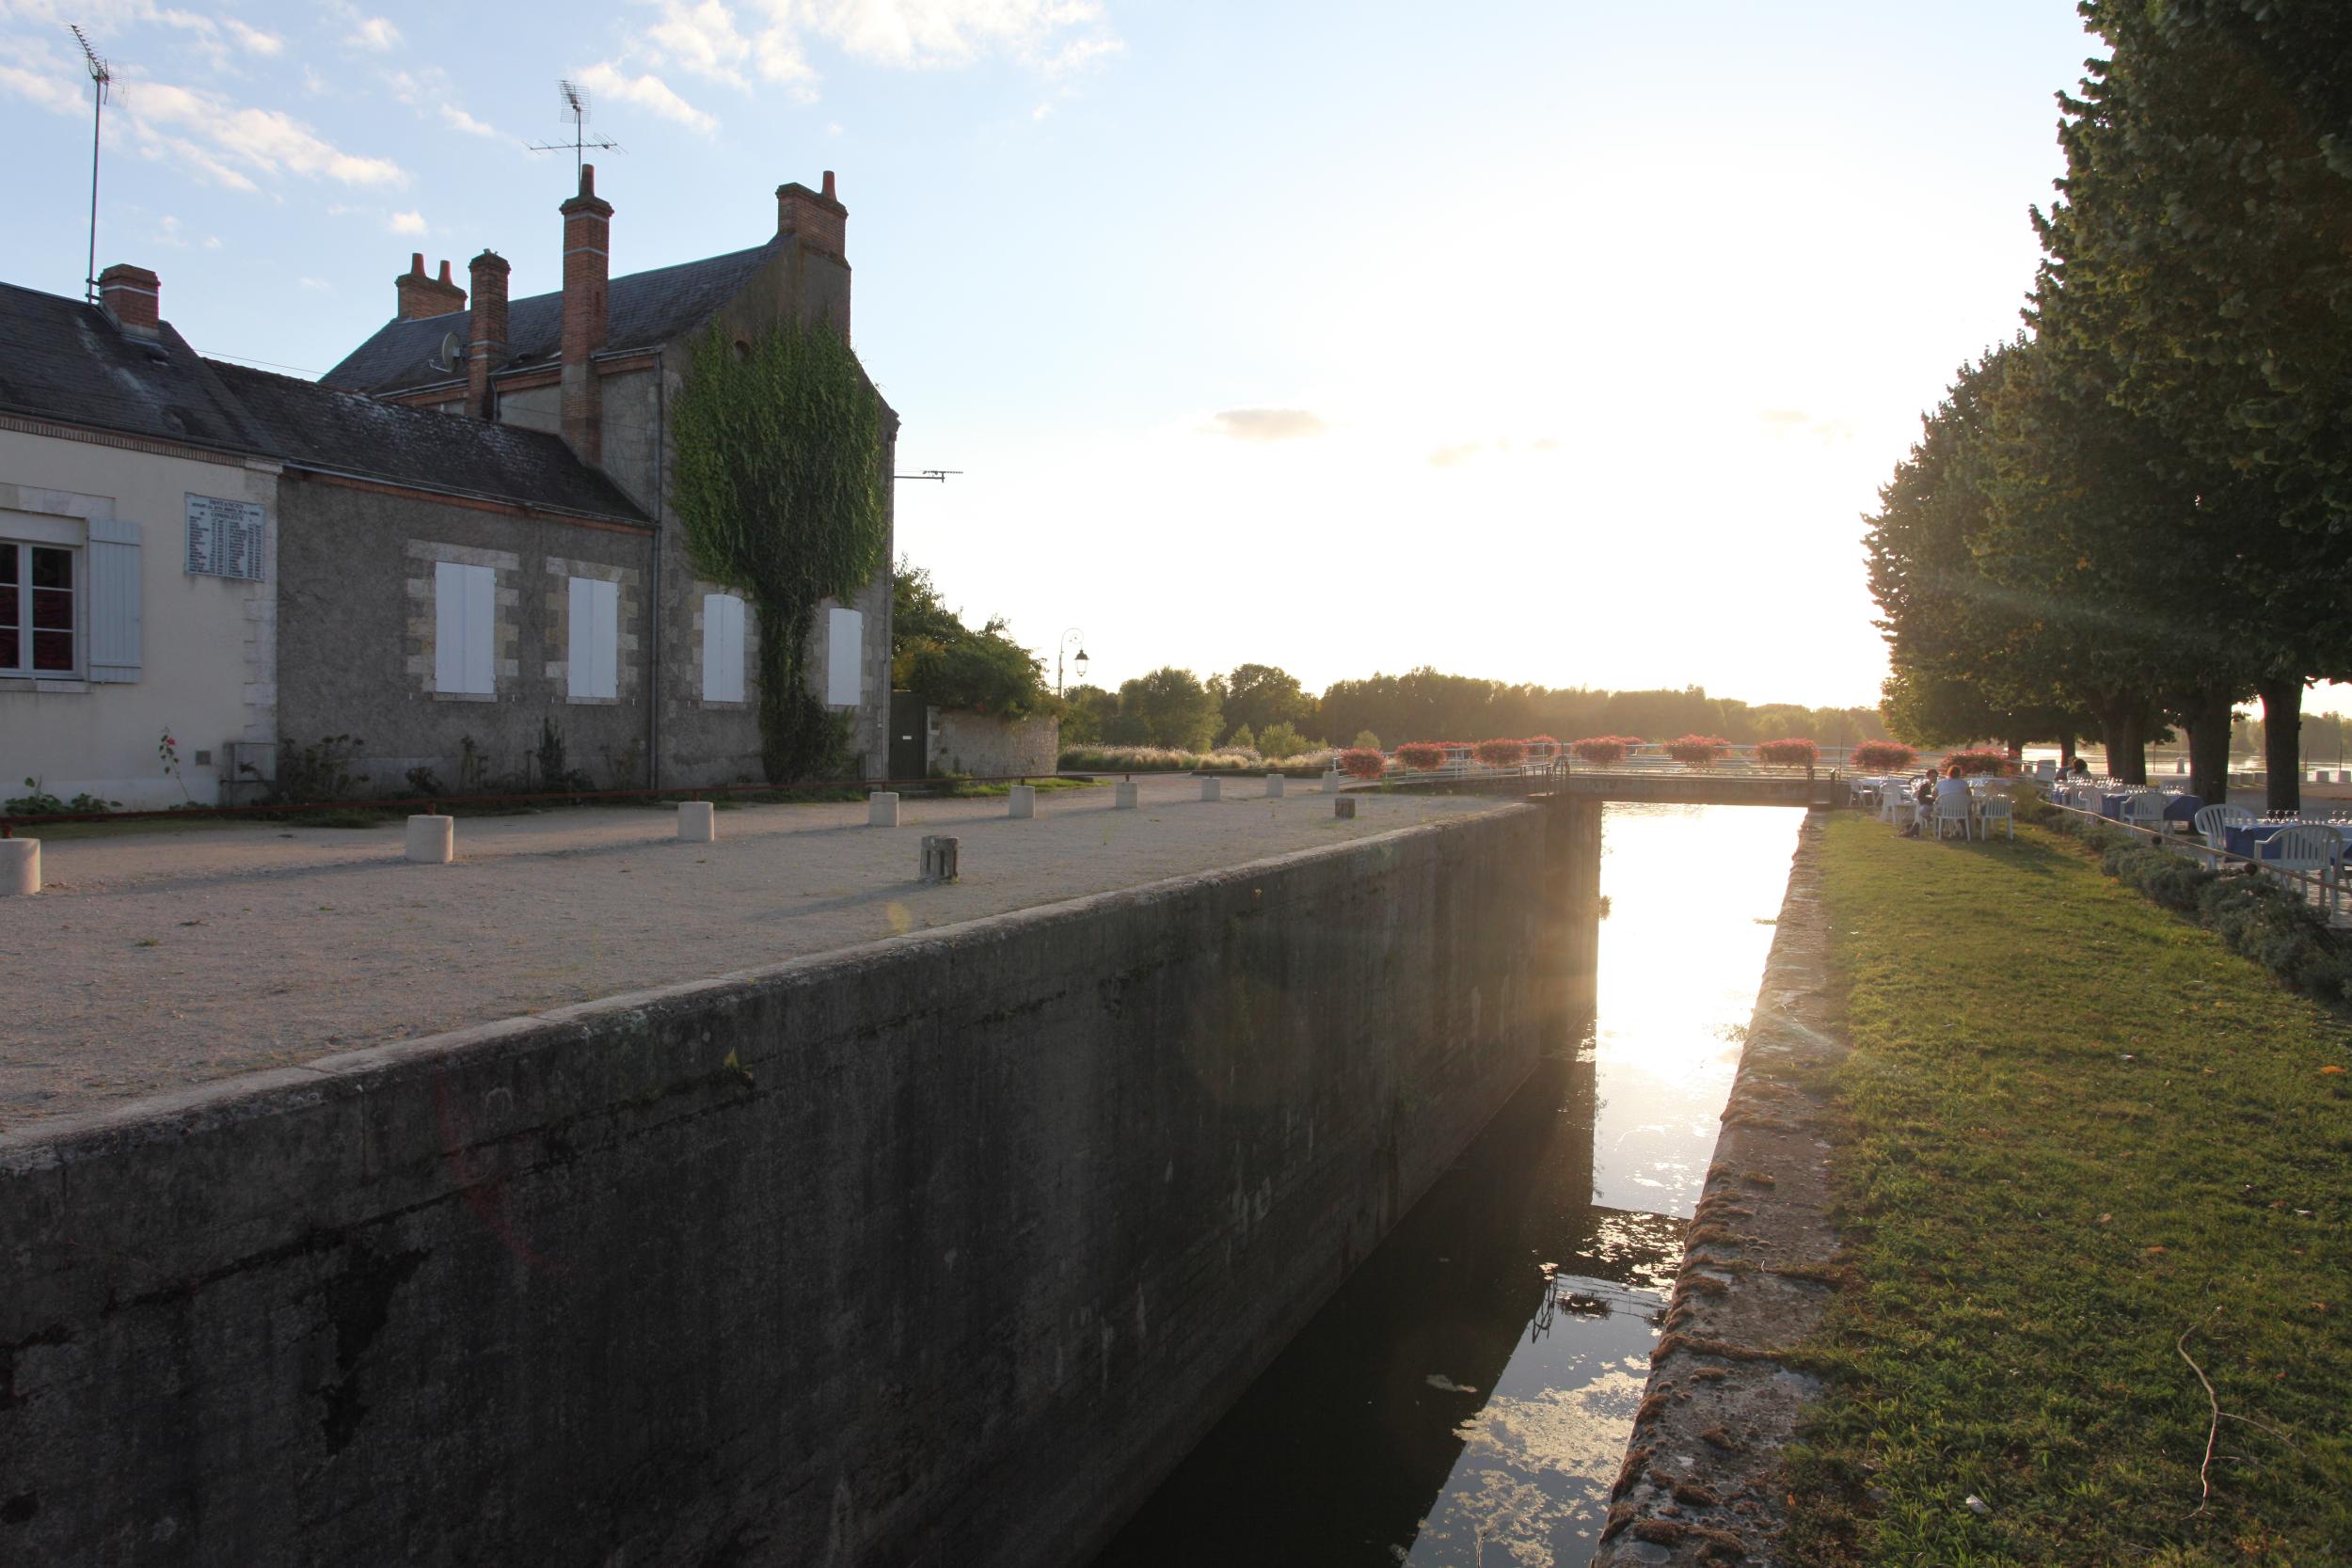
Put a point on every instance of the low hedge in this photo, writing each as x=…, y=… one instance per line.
x=2253, y=914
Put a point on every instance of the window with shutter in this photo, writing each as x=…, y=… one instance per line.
x=40, y=611
x=845, y=658
x=115, y=618
x=594, y=655
x=465, y=629
x=722, y=648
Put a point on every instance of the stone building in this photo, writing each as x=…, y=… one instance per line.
x=599, y=365
x=455, y=543
x=135, y=568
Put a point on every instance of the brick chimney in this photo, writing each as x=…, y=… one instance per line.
x=587, y=269
x=134, y=297
x=820, y=220
x=486, y=337
x=421, y=296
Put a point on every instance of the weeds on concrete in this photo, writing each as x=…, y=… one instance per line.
x=2095, y=1178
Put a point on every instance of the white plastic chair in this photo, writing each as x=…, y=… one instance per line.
x=2213, y=824
x=2145, y=810
x=2309, y=848
x=1951, y=805
x=1995, y=808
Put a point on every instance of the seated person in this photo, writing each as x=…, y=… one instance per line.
x=1951, y=793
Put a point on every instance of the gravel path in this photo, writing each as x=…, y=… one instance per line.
x=152, y=961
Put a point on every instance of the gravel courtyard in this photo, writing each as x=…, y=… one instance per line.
x=154, y=961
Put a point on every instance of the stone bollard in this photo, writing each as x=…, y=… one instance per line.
x=431, y=840
x=882, y=809
x=939, y=858
x=1274, y=786
x=697, y=823
x=19, y=867
x=1332, y=781
x=1344, y=808
x=1123, y=795
x=1213, y=790
x=1022, y=805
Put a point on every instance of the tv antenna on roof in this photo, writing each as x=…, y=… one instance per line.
x=575, y=99
x=99, y=76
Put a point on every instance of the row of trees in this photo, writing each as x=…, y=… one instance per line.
x=2134, y=514
x=1255, y=702
x=954, y=665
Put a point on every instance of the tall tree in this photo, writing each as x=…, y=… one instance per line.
x=2205, y=242
x=1174, y=706
x=1259, y=696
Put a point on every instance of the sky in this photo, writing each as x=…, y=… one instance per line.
x=1563, y=342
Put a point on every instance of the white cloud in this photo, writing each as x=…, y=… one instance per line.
x=233, y=145
x=212, y=241
x=252, y=39
x=952, y=32
x=713, y=40
x=457, y=118
x=31, y=70
x=700, y=38
x=1265, y=424
x=316, y=285
x=647, y=91
x=374, y=33
x=405, y=223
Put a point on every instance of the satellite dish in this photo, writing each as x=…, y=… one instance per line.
x=451, y=348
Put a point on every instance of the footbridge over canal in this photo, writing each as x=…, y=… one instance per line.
x=1659, y=783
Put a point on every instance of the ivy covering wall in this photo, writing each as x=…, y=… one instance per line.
x=777, y=478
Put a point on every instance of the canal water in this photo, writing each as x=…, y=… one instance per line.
x=1465, y=1398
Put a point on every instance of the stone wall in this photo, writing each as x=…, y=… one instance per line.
x=980, y=746
x=356, y=628
x=937, y=1250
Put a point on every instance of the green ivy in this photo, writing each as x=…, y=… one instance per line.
x=777, y=477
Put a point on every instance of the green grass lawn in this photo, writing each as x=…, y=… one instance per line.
x=2077, y=1129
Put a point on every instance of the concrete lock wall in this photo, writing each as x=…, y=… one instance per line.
x=937, y=1250
x=982, y=747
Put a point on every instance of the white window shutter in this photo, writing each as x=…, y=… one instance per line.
x=114, y=600
x=722, y=648
x=448, y=627
x=465, y=621
x=845, y=658
x=594, y=660
x=607, y=640
x=481, y=629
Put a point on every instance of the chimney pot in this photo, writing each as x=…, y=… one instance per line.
x=134, y=297
x=419, y=295
x=486, y=334
x=818, y=217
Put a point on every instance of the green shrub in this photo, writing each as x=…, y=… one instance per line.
x=319, y=771
x=37, y=801
x=2254, y=916
x=2275, y=927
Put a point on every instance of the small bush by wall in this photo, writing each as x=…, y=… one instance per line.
x=2253, y=914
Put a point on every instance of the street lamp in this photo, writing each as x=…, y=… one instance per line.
x=1073, y=635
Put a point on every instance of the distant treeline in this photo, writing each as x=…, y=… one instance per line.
x=1174, y=708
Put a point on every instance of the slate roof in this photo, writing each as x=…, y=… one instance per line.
x=65, y=360
x=643, y=309
x=319, y=427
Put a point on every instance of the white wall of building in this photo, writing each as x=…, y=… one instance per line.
x=205, y=646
